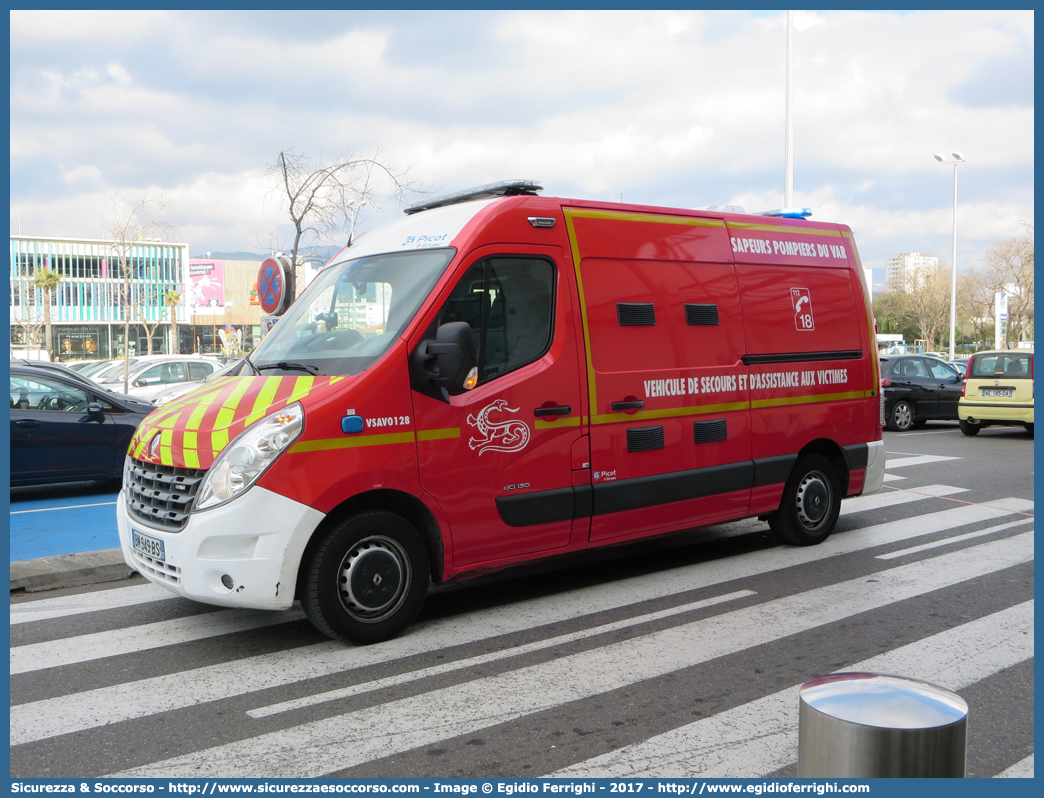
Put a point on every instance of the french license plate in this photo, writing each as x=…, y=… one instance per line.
x=150, y=547
x=996, y=392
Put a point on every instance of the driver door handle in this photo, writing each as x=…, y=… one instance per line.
x=561, y=410
x=28, y=423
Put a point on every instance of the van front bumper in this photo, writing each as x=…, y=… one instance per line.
x=243, y=554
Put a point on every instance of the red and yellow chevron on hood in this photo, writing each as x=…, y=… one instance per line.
x=194, y=428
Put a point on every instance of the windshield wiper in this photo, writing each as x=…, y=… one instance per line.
x=289, y=367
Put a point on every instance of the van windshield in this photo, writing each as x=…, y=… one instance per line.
x=351, y=313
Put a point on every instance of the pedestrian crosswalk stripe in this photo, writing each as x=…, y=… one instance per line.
x=760, y=737
x=1023, y=769
x=482, y=659
x=891, y=498
x=116, y=598
x=71, y=650
x=891, y=555
x=923, y=459
x=106, y=705
x=343, y=741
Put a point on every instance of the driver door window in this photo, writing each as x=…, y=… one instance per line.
x=508, y=302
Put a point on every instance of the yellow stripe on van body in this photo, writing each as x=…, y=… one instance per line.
x=351, y=443
x=805, y=400
x=574, y=247
x=218, y=441
x=784, y=228
x=203, y=403
x=669, y=412
x=438, y=434
x=227, y=413
x=191, y=458
x=264, y=399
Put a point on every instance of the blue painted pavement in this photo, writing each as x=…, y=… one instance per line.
x=62, y=519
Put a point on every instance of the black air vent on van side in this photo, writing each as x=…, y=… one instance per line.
x=701, y=314
x=643, y=439
x=709, y=431
x=635, y=314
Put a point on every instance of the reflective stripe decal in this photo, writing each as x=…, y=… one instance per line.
x=573, y=421
x=669, y=412
x=785, y=228
x=351, y=443
x=438, y=434
x=802, y=400
x=327, y=444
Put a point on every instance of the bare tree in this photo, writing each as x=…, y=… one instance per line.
x=129, y=227
x=1008, y=265
x=926, y=304
x=317, y=194
x=975, y=298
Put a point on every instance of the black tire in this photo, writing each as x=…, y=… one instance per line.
x=810, y=505
x=367, y=578
x=969, y=429
x=1029, y=428
x=901, y=417
x=919, y=422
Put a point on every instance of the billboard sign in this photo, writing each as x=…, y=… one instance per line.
x=206, y=288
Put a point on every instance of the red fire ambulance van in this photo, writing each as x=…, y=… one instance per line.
x=499, y=377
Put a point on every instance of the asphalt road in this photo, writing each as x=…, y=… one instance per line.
x=679, y=657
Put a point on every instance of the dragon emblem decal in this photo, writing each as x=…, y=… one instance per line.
x=499, y=436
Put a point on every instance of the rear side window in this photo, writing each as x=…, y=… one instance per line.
x=1009, y=365
x=199, y=371
x=941, y=371
x=914, y=367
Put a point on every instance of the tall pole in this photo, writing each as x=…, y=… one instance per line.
x=953, y=275
x=788, y=148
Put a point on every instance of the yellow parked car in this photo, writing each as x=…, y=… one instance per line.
x=998, y=389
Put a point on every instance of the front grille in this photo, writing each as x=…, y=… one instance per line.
x=162, y=495
x=162, y=571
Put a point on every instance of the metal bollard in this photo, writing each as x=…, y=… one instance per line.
x=865, y=725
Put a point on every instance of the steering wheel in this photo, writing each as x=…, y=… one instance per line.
x=339, y=339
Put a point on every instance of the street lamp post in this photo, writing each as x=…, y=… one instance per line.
x=957, y=159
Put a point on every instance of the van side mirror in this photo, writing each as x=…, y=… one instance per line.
x=455, y=357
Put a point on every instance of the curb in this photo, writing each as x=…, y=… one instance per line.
x=69, y=570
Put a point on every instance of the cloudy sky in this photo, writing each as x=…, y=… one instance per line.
x=674, y=108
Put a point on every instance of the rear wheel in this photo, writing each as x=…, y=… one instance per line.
x=919, y=422
x=969, y=429
x=367, y=578
x=1029, y=428
x=901, y=418
x=810, y=505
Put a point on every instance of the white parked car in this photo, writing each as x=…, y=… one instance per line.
x=146, y=377
x=168, y=393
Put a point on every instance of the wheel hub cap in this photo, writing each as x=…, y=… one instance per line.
x=371, y=577
x=813, y=500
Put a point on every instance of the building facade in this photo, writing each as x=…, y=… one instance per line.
x=104, y=284
x=908, y=268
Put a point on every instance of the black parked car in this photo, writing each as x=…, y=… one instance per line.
x=917, y=389
x=63, y=430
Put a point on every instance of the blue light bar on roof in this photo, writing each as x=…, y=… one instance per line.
x=788, y=213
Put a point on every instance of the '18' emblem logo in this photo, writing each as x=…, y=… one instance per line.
x=801, y=299
x=498, y=436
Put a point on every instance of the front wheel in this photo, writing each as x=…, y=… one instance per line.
x=810, y=505
x=968, y=428
x=367, y=578
x=901, y=418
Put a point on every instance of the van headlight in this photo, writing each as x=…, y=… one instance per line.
x=244, y=460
